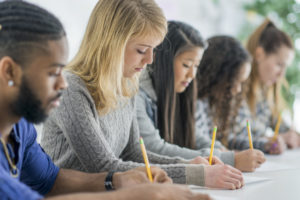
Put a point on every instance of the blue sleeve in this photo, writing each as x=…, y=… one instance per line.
x=11, y=188
x=38, y=171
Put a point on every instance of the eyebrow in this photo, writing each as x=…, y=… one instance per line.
x=57, y=65
x=145, y=45
x=190, y=59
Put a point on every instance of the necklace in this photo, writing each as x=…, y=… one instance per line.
x=13, y=168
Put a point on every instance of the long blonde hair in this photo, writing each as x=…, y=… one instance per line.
x=270, y=38
x=100, y=59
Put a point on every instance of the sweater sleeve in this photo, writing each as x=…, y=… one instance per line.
x=176, y=167
x=152, y=138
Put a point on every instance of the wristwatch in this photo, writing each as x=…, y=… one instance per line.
x=108, y=183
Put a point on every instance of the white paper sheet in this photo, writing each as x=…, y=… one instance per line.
x=272, y=166
x=252, y=179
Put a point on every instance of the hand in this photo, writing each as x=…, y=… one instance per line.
x=159, y=175
x=223, y=176
x=249, y=160
x=160, y=192
x=199, y=160
x=215, y=161
x=291, y=139
x=139, y=175
x=275, y=147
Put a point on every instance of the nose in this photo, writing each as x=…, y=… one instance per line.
x=61, y=83
x=192, y=72
x=148, y=59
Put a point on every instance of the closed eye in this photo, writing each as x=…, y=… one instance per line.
x=185, y=65
x=141, y=52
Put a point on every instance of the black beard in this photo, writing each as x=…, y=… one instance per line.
x=28, y=105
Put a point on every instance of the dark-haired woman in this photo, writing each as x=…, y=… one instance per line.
x=224, y=68
x=165, y=104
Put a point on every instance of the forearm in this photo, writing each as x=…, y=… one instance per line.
x=157, y=145
x=116, y=195
x=204, y=141
x=70, y=181
x=87, y=196
x=240, y=143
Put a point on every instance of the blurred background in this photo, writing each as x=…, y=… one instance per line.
x=237, y=18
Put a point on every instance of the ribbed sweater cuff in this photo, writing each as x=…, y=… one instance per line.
x=195, y=175
x=228, y=158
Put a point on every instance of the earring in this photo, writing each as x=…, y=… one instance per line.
x=10, y=83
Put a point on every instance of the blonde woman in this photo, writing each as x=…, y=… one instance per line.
x=272, y=51
x=96, y=128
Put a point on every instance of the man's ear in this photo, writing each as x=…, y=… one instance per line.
x=10, y=71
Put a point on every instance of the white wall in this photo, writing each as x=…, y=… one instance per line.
x=209, y=17
x=225, y=17
x=74, y=15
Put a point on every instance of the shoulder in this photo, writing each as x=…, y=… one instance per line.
x=25, y=131
x=202, y=105
x=146, y=88
x=76, y=88
x=74, y=81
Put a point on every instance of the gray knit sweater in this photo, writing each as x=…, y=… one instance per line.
x=146, y=115
x=76, y=137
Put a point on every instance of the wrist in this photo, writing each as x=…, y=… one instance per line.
x=117, y=180
x=108, y=183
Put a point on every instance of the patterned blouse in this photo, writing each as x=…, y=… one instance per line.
x=260, y=124
x=238, y=137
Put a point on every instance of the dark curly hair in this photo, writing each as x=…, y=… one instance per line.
x=219, y=68
x=176, y=121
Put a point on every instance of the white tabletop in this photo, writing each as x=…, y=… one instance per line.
x=283, y=172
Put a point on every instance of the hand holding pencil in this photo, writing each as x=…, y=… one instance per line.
x=249, y=160
x=276, y=144
x=147, y=164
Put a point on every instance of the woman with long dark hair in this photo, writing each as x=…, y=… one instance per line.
x=224, y=68
x=165, y=104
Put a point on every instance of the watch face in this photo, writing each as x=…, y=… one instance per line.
x=108, y=181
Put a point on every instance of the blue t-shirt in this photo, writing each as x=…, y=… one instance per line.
x=37, y=173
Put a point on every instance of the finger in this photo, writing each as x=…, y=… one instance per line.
x=205, y=162
x=217, y=161
x=165, y=180
x=234, y=170
x=261, y=159
x=160, y=176
x=259, y=153
x=228, y=185
x=235, y=182
x=236, y=176
x=201, y=160
x=201, y=197
x=257, y=165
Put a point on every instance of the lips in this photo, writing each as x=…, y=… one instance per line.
x=138, y=69
x=185, y=83
x=55, y=102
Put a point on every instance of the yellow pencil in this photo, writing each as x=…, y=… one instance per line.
x=249, y=135
x=146, y=159
x=277, y=127
x=212, y=145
